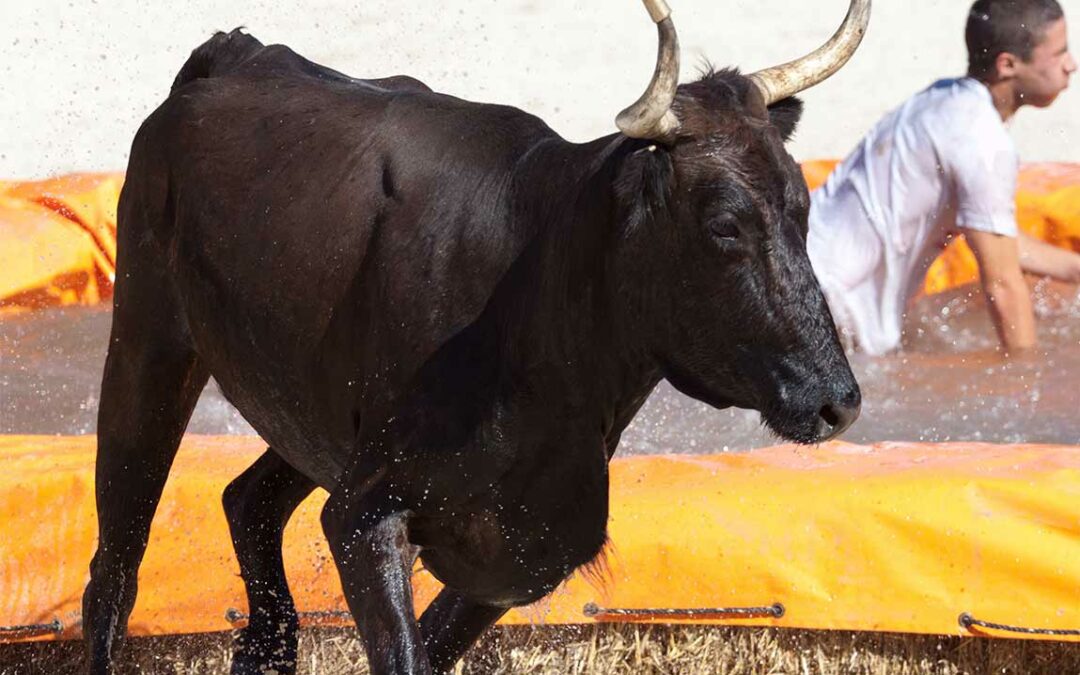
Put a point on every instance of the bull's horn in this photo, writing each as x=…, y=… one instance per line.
x=779, y=82
x=651, y=117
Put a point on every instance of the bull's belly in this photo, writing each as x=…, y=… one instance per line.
x=306, y=444
x=283, y=402
x=261, y=354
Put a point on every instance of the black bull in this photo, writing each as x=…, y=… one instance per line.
x=445, y=315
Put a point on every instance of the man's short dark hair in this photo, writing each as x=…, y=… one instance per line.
x=1013, y=26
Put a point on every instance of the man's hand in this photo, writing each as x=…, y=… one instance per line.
x=1003, y=282
x=1047, y=260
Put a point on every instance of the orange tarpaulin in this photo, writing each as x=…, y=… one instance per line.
x=892, y=537
x=44, y=259
x=58, y=241
x=58, y=236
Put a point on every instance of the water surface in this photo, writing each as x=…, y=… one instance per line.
x=947, y=384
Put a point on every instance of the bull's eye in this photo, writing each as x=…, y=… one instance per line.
x=724, y=226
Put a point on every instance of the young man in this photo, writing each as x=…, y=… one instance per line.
x=943, y=164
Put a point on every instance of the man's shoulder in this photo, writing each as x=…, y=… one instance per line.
x=959, y=112
x=954, y=96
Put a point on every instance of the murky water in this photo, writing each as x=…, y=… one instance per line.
x=50, y=376
x=946, y=385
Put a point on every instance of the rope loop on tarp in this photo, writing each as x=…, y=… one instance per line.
x=967, y=621
x=54, y=627
x=592, y=610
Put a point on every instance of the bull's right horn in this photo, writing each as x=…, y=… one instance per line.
x=651, y=117
x=779, y=82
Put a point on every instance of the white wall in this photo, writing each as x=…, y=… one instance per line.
x=77, y=76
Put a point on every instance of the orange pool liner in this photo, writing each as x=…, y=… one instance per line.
x=58, y=241
x=58, y=236
x=900, y=537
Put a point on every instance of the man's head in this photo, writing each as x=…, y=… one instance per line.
x=1023, y=42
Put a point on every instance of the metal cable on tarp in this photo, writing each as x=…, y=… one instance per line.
x=235, y=616
x=775, y=610
x=967, y=621
x=55, y=627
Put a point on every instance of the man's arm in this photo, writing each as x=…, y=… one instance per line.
x=1006, y=291
x=1047, y=260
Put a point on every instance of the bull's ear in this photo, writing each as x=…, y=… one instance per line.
x=643, y=186
x=784, y=115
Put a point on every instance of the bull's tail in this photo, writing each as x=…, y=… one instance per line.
x=218, y=55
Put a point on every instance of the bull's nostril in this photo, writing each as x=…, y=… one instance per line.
x=835, y=418
x=831, y=417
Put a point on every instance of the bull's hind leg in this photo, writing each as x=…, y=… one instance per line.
x=451, y=624
x=258, y=504
x=151, y=383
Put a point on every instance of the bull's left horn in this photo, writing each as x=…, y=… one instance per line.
x=651, y=117
x=779, y=82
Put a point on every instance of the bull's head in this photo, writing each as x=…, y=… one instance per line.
x=717, y=208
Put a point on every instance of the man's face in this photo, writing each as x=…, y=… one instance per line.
x=1041, y=78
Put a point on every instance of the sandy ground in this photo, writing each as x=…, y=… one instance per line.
x=612, y=649
x=77, y=77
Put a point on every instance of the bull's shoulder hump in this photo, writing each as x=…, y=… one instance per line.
x=236, y=70
x=239, y=56
x=281, y=61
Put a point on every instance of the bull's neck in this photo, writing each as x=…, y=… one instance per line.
x=560, y=320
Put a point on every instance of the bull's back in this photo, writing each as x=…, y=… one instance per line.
x=327, y=234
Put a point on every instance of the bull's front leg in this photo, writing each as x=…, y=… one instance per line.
x=368, y=536
x=451, y=624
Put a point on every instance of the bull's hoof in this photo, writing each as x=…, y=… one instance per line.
x=265, y=648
